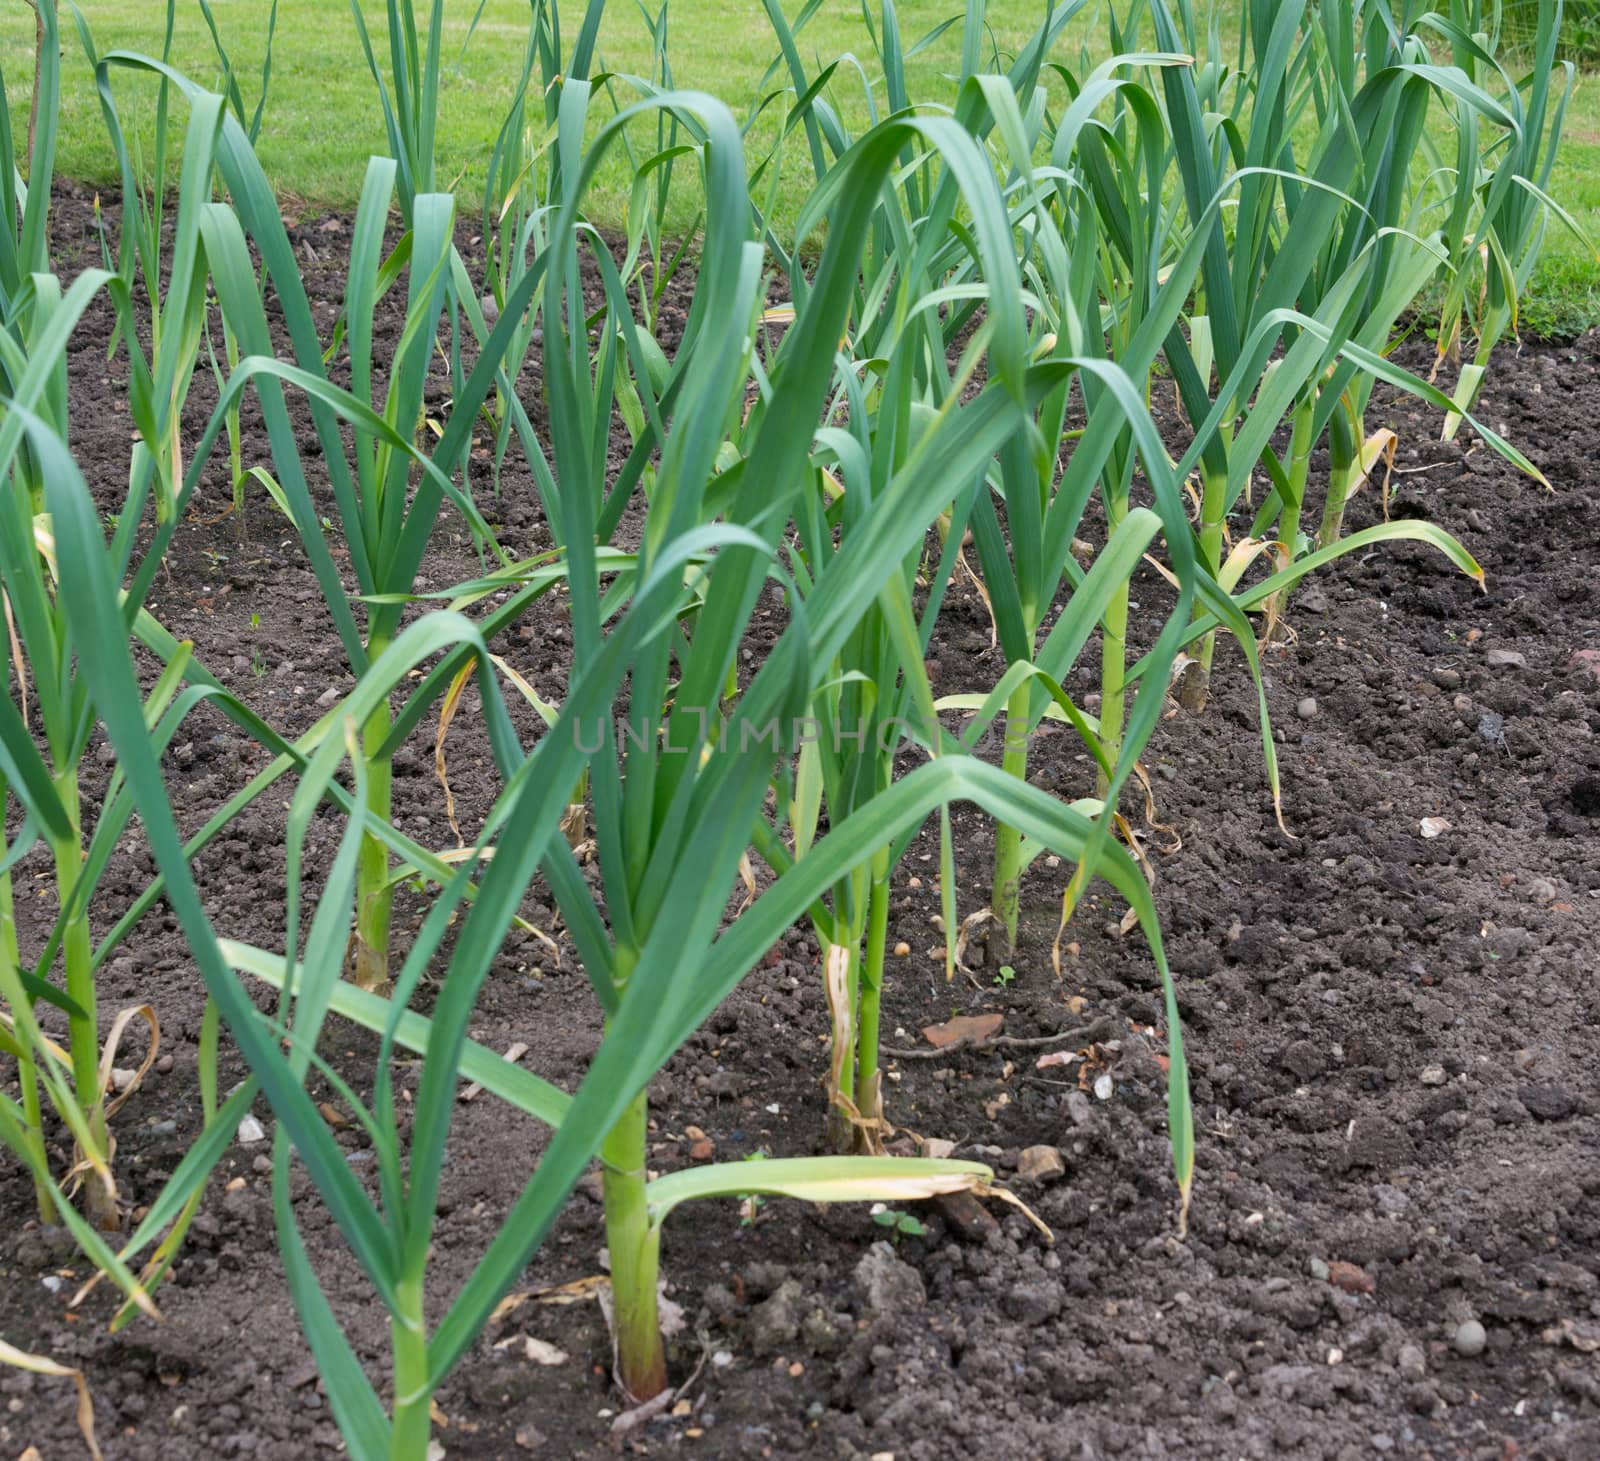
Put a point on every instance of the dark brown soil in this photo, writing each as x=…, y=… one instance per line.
x=1392, y=1038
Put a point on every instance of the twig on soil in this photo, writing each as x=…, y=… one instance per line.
x=630, y=1420
x=1039, y=1080
x=1105, y=1028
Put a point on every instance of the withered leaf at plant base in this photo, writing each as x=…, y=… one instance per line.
x=578, y=1291
x=963, y=1027
x=43, y=1365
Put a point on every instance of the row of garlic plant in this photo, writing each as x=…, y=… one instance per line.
x=43, y=759
x=672, y=815
x=935, y=225
x=1334, y=238
x=1314, y=230
x=220, y=231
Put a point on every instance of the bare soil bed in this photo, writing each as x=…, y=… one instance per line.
x=1393, y=1039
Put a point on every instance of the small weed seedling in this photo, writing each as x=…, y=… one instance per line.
x=900, y=1224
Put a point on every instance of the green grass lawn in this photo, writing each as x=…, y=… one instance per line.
x=323, y=118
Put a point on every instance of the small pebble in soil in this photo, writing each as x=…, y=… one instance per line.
x=1569, y=705
x=1033, y=1302
x=1543, y=891
x=1307, y=708
x=902, y=950
x=1470, y=1339
x=1548, y=1102
x=1411, y=1362
x=775, y=1321
x=885, y=1283
x=1040, y=1164
x=1350, y=1277
x=1423, y=1398
x=1318, y=1269
x=1432, y=1075
x=966, y=1217
x=1304, y=1060
x=1505, y=659
x=164, y=1065
x=1390, y=1199
x=250, y=1131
